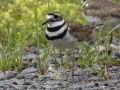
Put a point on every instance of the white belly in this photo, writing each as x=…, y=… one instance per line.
x=113, y=21
x=68, y=42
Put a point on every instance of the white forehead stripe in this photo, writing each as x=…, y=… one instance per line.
x=49, y=16
x=57, y=14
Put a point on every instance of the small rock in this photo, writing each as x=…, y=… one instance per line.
x=2, y=75
x=99, y=48
x=11, y=74
x=76, y=87
x=52, y=83
x=55, y=86
x=115, y=68
x=29, y=70
x=27, y=83
x=118, y=85
x=2, y=87
x=15, y=83
x=50, y=69
x=32, y=87
x=20, y=76
x=113, y=46
x=94, y=78
x=29, y=56
x=96, y=84
x=115, y=81
x=35, y=85
x=113, y=88
x=92, y=42
x=96, y=88
x=25, y=63
x=106, y=84
x=94, y=73
x=10, y=87
x=90, y=84
x=78, y=78
x=23, y=87
x=78, y=72
x=42, y=78
x=117, y=54
x=31, y=76
x=47, y=87
x=115, y=76
x=34, y=64
x=50, y=74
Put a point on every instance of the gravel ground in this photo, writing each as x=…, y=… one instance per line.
x=83, y=79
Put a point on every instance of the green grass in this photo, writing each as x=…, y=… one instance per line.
x=20, y=25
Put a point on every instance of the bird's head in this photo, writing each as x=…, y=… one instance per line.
x=53, y=17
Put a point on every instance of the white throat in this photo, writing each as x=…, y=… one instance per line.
x=55, y=24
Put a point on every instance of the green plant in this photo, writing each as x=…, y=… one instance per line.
x=20, y=25
x=43, y=62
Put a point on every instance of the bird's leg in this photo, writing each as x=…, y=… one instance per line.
x=71, y=67
x=61, y=63
x=111, y=38
x=103, y=37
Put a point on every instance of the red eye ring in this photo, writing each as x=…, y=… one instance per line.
x=55, y=16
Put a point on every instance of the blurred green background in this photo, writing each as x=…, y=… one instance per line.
x=29, y=14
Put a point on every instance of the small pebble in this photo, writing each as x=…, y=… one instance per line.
x=29, y=70
x=96, y=84
x=106, y=84
x=15, y=83
x=26, y=83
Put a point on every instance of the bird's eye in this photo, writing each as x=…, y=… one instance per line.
x=55, y=16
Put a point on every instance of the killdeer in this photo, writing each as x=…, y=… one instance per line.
x=66, y=34
x=102, y=12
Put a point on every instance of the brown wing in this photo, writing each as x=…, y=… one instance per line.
x=80, y=31
x=102, y=8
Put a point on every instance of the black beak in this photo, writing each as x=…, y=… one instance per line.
x=47, y=21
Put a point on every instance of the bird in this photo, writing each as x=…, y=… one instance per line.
x=104, y=12
x=66, y=34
